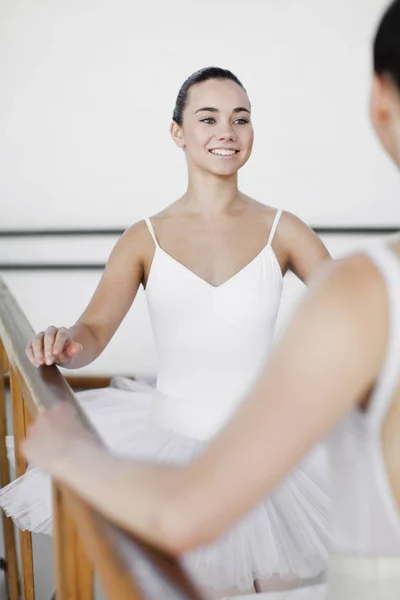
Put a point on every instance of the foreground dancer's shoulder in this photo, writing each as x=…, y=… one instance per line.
x=350, y=296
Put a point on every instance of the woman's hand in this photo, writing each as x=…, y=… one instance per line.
x=53, y=346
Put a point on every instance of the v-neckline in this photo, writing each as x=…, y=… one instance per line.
x=227, y=281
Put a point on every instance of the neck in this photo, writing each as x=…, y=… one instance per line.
x=211, y=195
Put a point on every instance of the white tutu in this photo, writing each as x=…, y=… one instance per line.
x=287, y=534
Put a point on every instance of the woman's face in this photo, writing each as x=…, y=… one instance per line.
x=385, y=115
x=216, y=133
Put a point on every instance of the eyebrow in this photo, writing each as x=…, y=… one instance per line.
x=215, y=110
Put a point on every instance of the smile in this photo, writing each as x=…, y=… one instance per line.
x=223, y=152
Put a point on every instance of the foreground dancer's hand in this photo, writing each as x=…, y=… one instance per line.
x=325, y=364
x=54, y=434
x=57, y=441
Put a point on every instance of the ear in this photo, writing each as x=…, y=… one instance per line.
x=177, y=134
x=380, y=101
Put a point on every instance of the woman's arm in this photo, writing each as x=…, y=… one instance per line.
x=82, y=343
x=304, y=249
x=324, y=365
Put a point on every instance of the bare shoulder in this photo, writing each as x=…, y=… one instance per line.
x=137, y=235
x=356, y=270
x=354, y=288
x=345, y=311
x=290, y=226
x=134, y=245
x=297, y=247
x=262, y=211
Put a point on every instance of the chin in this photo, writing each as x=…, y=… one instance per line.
x=224, y=172
x=225, y=169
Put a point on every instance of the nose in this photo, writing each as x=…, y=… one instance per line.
x=227, y=133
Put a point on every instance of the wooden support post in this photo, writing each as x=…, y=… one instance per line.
x=8, y=526
x=74, y=572
x=21, y=420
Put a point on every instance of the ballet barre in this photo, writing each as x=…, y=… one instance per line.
x=84, y=542
x=29, y=265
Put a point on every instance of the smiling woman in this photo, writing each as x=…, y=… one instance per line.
x=220, y=127
x=212, y=265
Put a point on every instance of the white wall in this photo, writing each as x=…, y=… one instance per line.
x=86, y=96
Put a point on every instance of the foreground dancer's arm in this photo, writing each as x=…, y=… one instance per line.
x=325, y=364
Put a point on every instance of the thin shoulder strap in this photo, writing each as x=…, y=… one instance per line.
x=274, y=226
x=152, y=232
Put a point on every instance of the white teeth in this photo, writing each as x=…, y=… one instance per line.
x=221, y=152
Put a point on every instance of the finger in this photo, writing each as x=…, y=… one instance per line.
x=62, y=358
x=37, y=348
x=49, y=337
x=70, y=350
x=74, y=349
x=61, y=340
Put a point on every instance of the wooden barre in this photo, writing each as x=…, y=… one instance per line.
x=83, y=540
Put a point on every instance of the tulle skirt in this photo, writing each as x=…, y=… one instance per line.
x=286, y=534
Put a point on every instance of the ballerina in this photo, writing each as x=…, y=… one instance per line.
x=212, y=265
